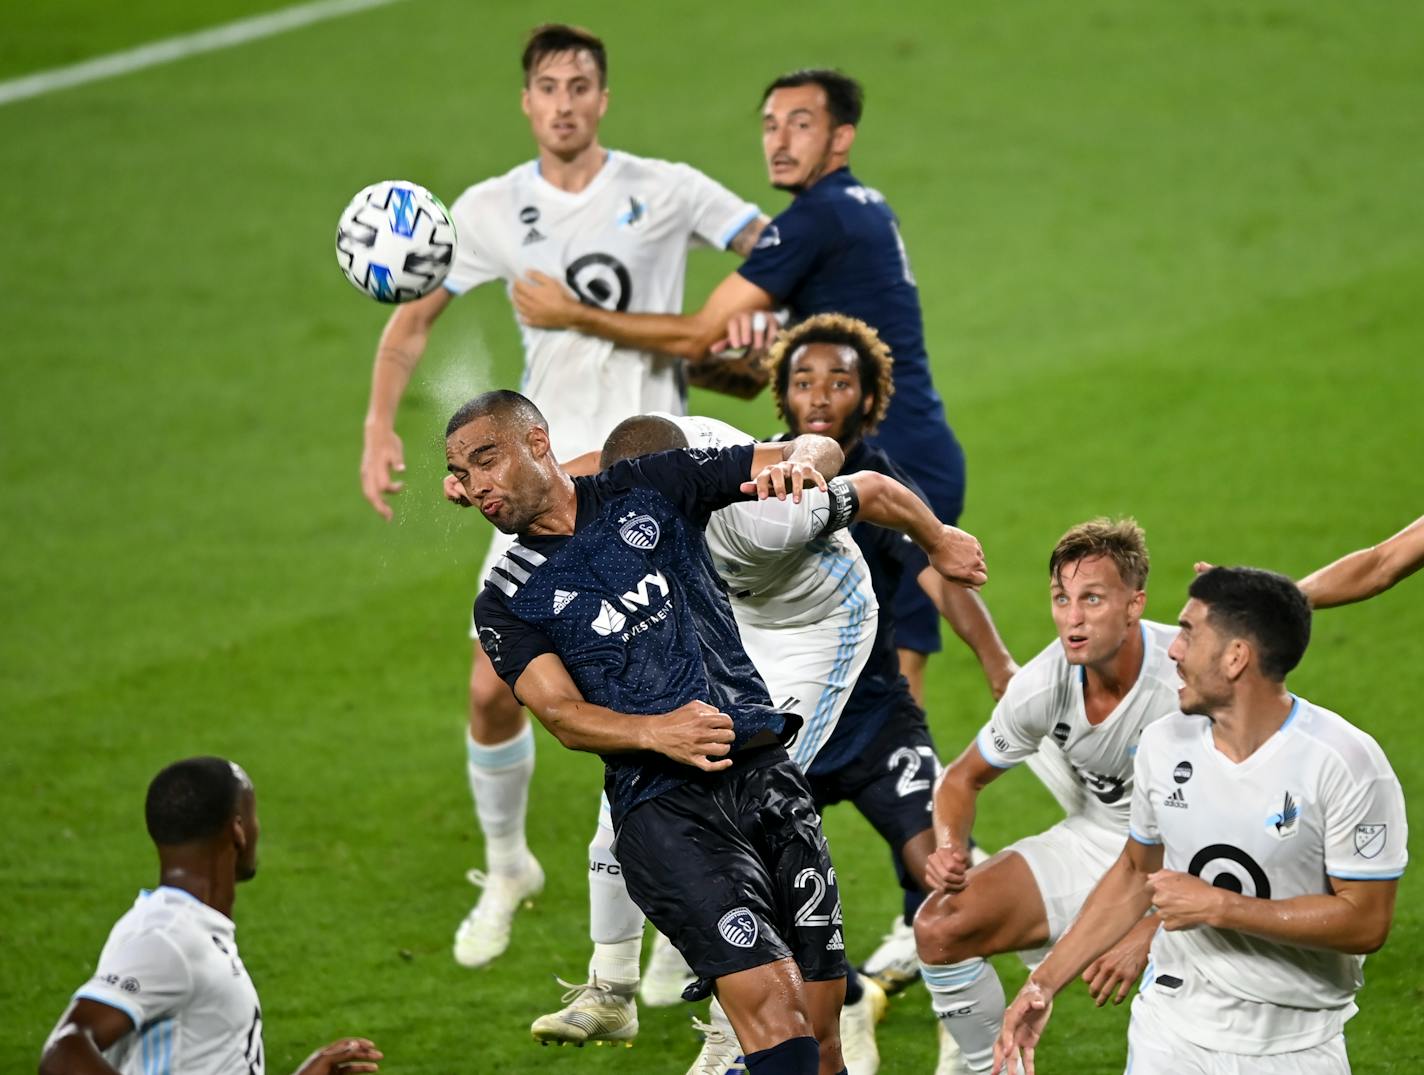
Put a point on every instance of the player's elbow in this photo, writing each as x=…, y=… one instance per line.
x=1371, y=938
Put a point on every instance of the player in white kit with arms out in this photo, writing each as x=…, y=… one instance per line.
x=617, y=229
x=1087, y=696
x=1269, y=834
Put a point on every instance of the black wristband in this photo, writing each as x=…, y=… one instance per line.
x=843, y=506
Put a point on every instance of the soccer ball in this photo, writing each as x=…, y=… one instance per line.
x=394, y=242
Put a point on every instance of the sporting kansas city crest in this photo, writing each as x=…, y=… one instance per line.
x=738, y=927
x=641, y=531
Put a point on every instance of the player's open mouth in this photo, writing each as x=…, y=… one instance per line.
x=489, y=507
x=817, y=424
x=1077, y=641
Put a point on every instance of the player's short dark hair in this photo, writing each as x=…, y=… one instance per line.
x=845, y=100
x=642, y=434
x=192, y=799
x=502, y=405
x=552, y=38
x=1266, y=608
x=873, y=359
x=1120, y=540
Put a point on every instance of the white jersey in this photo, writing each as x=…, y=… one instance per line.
x=171, y=965
x=1317, y=800
x=802, y=598
x=620, y=243
x=1045, y=701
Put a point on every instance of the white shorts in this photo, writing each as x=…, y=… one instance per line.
x=499, y=545
x=1067, y=862
x=810, y=671
x=1155, y=1048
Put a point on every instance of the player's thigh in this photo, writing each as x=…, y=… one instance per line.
x=701, y=880
x=785, y=826
x=767, y=1004
x=495, y=714
x=1067, y=861
x=893, y=781
x=998, y=910
x=1155, y=1048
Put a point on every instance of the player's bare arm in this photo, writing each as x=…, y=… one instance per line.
x=1354, y=917
x=1115, y=906
x=1367, y=572
x=885, y=502
x=543, y=302
x=745, y=240
x=694, y=734
x=955, y=797
x=86, y=1029
x=399, y=351
x=965, y=611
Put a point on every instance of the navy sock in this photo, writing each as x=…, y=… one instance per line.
x=795, y=1056
x=854, y=990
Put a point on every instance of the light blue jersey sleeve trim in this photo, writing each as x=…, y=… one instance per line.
x=1365, y=876
x=731, y=233
x=1143, y=839
x=454, y=289
x=991, y=758
x=134, y=1017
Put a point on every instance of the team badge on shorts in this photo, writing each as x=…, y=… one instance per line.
x=642, y=532
x=738, y=927
x=1369, y=840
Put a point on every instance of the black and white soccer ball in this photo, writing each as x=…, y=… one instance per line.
x=395, y=241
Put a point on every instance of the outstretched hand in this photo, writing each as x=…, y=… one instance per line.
x=1024, y=1022
x=947, y=869
x=787, y=477
x=381, y=458
x=343, y=1057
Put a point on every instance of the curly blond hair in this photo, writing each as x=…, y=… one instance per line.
x=876, y=364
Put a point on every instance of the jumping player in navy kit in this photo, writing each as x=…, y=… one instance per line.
x=607, y=620
x=835, y=248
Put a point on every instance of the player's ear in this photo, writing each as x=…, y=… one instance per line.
x=239, y=834
x=524, y=100
x=1236, y=658
x=538, y=441
x=602, y=102
x=842, y=138
x=1137, y=605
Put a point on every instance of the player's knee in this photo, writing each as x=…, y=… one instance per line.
x=945, y=930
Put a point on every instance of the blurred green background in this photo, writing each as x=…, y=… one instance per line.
x=1171, y=265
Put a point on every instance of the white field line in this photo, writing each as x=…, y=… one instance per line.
x=178, y=48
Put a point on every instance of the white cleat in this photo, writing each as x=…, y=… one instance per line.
x=951, y=1062
x=592, y=1012
x=666, y=976
x=484, y=934
x=858, y=1048
x=895, y=964
x=721, y=1052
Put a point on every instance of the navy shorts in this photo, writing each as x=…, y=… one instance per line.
x=736, y=872
x=892, y=781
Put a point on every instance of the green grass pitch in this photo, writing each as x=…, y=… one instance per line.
x=1171, y=265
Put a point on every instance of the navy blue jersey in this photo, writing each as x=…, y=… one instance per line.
x=631, y=604
x=837, y=249
x=891, y=556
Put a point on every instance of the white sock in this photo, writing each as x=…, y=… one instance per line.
x=969, y=1000
x=614, y=921
x=499, y=781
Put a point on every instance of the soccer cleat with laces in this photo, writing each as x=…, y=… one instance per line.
x=484, y=934
x=666, y=975
x=895, y=964
x=721, y=1052
x=592, y=1012
x=858, y=1048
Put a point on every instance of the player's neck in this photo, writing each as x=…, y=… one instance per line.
x=831, y=166
x=561, y=515
x=1255, y=713
x=572, y=174
x=1108, y=682
x=210, y=881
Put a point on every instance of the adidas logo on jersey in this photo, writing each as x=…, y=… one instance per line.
x=609, y=620
x=836, y=943
x=534, y=235
x=562, y=599
x=1176, y=799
